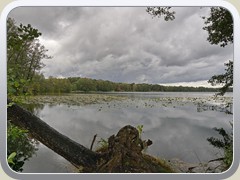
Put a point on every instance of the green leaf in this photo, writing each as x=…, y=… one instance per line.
x=22, y=81
x=10, y=104
x=11, y=157
x=16, y=84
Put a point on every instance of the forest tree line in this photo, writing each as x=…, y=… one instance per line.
x=40, y=85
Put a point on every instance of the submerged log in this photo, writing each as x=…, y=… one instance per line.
x=122, y=155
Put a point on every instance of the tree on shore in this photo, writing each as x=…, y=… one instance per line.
x=24, y=56
x=225, y=79
x=219, y=26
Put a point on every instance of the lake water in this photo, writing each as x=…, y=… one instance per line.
x=177, y=123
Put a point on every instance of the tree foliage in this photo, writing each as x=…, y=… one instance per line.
x=219, y=26
x=225, y=143
x=161, y=12
x=52, y=85
x=24, y=56
x=19, y=147
x=225, y=79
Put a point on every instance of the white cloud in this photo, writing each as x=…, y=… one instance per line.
x=203, y=83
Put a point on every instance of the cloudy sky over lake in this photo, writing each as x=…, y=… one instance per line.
x=126, y=44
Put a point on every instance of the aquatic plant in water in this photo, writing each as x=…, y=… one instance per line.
x=225, y=143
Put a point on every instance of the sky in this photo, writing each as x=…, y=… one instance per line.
x=126, y=44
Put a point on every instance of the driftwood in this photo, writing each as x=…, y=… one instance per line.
x=122, y=155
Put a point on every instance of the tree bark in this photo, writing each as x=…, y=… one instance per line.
x=75, y=153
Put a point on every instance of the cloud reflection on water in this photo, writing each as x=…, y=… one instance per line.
x=177, y=131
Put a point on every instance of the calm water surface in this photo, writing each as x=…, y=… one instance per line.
x=178, y=126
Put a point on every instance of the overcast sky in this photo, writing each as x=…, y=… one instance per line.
x=126, y=44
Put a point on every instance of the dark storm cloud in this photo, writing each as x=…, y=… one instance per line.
x=126, y=44
x=50, y=21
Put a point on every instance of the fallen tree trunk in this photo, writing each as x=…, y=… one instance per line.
x=75, y=153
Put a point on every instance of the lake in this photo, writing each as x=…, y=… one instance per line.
x=177, y=123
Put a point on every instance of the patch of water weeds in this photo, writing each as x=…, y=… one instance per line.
x=209, y=102
x=73, y=99
x=209, y=99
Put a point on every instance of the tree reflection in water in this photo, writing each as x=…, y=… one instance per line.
x=20, y=143
x=34, y=108
x=227, y=108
